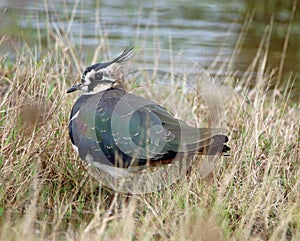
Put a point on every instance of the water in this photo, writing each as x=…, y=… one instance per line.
x=205, y=31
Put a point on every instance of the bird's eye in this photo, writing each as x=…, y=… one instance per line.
x=98, y=76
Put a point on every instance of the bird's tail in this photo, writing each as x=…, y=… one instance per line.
x=214, y=145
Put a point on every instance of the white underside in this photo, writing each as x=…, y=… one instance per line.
x=75, y=148
x=75, y=116
x=113, y=171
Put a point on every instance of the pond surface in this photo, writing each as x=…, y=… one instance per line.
x=205, y=31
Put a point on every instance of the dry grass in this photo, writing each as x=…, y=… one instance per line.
x=46, y=193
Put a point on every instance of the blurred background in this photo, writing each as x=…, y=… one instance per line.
x=222, y=36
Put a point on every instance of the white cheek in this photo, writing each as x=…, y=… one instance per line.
x=88, y=76
x=102, y=87
x=97, y=89
x=84, y=88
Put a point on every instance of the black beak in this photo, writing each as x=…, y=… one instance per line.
x=74, y=88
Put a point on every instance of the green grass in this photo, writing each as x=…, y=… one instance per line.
x=47, y=193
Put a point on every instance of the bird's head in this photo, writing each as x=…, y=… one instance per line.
x=103, y=76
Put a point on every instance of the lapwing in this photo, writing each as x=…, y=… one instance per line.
x=113, y=129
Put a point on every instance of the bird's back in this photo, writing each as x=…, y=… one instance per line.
x=116, y=128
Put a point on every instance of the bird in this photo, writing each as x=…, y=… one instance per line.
x=115, y=130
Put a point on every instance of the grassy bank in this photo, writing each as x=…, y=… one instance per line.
x=46, y=192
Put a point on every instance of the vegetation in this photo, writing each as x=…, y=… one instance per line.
x=47, y=193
